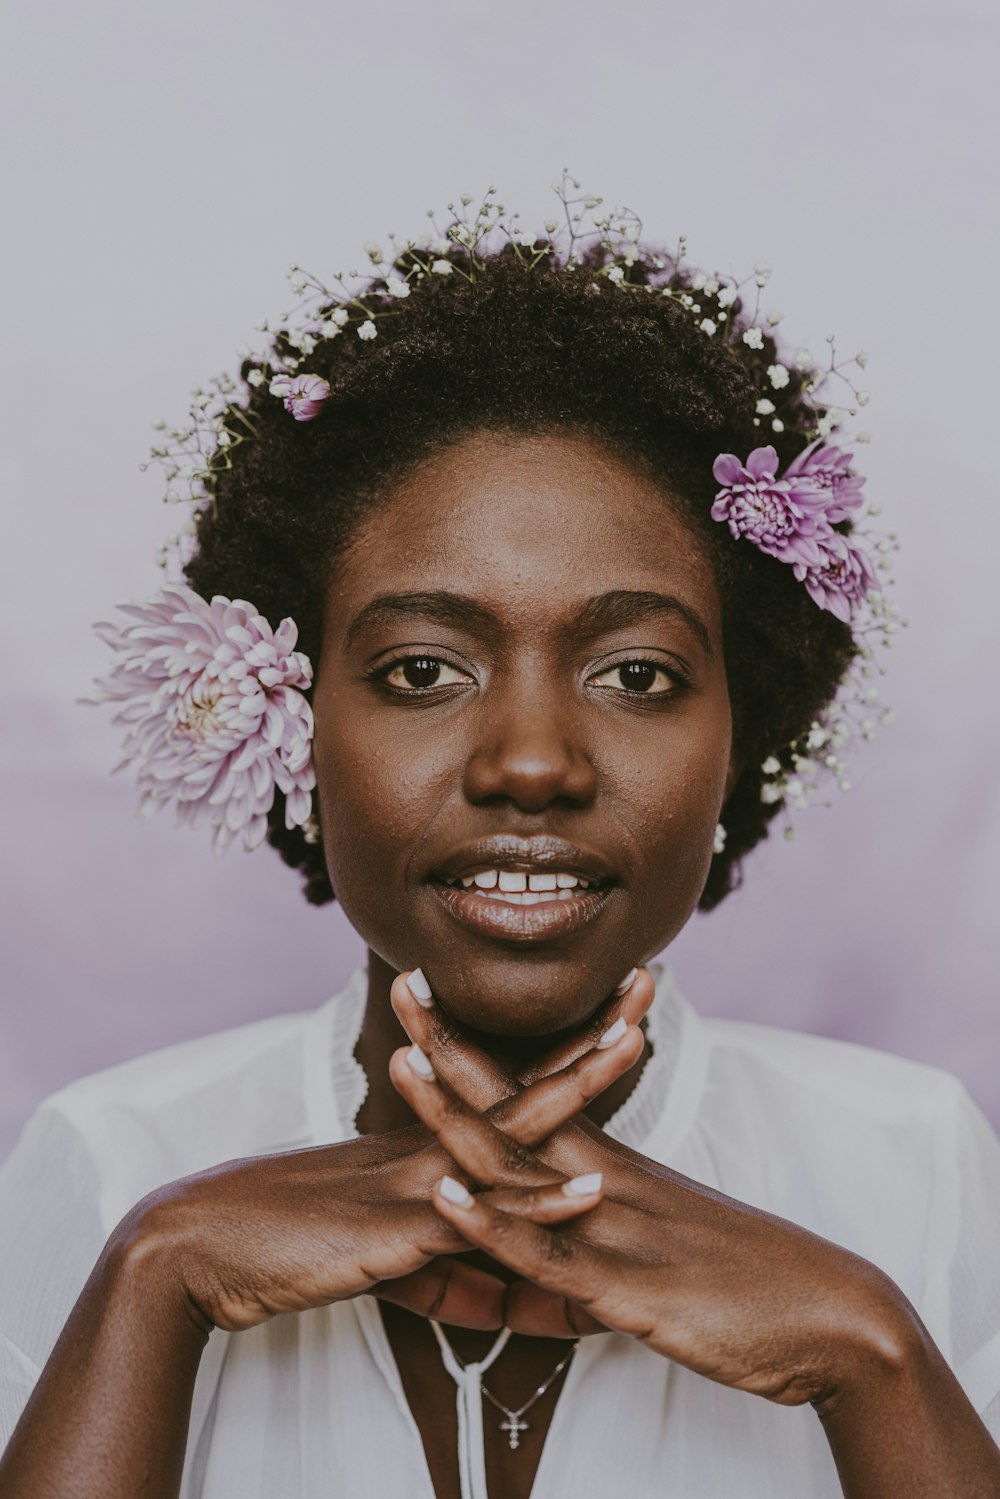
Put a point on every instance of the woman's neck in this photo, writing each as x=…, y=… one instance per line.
x=381, y=1035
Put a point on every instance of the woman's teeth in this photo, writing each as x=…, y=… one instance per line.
x=517, y=889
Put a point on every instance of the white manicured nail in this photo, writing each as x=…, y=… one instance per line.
x=583, y=1186
x=420, y=1064
x=420, y=989
x=627, y=981
x=613, y=1035
x=453, y=1192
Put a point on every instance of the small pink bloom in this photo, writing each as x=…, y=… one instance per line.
x=217, y=720
x=827, y=469
x=303, y=395
x=842, y=577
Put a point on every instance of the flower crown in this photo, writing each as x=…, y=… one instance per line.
x=215, y=698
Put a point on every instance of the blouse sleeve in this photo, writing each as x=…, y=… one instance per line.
x=964, y=1230
x=50, y=1237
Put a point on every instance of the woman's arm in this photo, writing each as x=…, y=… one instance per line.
x=735, y=1294
x=109, y=1414
x=242, y=1242
x=901, y=1423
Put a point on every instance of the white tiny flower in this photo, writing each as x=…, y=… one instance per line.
x=306, y=343
x=727, y=296
x=770, y=793
x=707, y=326
x=224, y=439
x=331, y=330
x=339, y=316
x=753, y=338
x=526, y=239
x=803, y=360
x=778, y=375
x=761, y=269
x=397, y=287
x=551, y=226
x=367, y=330
x=297, y=282
x=699, y=281
x=630, y=254
x=771, y=766
x=777, y=425
x=887, y=718
x=824, y=425
x=764, y=406
x=262, y=326
x=719, y=841
x=817, y=737
x=863, y=397
x=774, y=318
x=711, y=287
x=442, y=267
x=861, y=359
x=616, y=274
x=374, y=254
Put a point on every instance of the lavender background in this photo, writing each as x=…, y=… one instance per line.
x=170, y=163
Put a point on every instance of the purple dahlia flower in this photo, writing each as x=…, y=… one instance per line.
x=828, y=470
x=213, y=698
x=841, y=579
x=785, y=522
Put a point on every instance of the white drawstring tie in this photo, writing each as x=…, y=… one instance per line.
x=469, y=1401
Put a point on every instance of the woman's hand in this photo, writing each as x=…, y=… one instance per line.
x=253, y=1238
x=737, y=1295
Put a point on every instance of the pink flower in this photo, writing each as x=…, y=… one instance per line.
x=213, y=700
x=783, y=522
x=827, y=469
x=841, y=579
x=303, y=395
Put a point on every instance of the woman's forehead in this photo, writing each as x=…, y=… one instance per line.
x=555, y=518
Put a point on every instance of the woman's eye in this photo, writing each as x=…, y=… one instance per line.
x=422, y=671
x=645, y=677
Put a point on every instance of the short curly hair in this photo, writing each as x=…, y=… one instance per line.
x=551, y=348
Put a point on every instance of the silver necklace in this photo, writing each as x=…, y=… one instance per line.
x=513, y=1425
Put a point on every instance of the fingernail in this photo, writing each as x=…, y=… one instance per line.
x=583, y=1186
x=453, y=1192
x=420, y=989
x=613, y=1034
x=627, y=981
x=420, y=1064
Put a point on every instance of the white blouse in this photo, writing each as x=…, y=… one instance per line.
x=885, y=1156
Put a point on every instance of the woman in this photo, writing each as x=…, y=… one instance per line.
x=507, y=1217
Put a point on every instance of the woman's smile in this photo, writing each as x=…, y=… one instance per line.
x=524, y=889
x=523, y=730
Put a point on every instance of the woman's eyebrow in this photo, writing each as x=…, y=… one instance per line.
x=622, y=607
x=451, y=608
x=599, y=615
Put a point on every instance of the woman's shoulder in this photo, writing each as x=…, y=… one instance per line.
x=842, y=1075
x=252, y=1089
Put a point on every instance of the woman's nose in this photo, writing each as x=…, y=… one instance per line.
x=530, y=754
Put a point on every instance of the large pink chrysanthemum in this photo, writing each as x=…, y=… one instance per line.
x=780, y=520
x=827, y=470
x=213, y=699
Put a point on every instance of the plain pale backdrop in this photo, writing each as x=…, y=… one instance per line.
x=166, y=165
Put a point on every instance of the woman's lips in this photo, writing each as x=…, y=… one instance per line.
x=552, y=914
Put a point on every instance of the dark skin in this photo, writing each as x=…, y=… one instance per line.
x=568, y=710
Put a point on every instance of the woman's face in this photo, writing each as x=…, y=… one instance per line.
x=521, y=684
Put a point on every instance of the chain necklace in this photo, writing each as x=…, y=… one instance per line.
x=513, y=1425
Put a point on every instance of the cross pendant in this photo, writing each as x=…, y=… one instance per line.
x=514, y=1427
